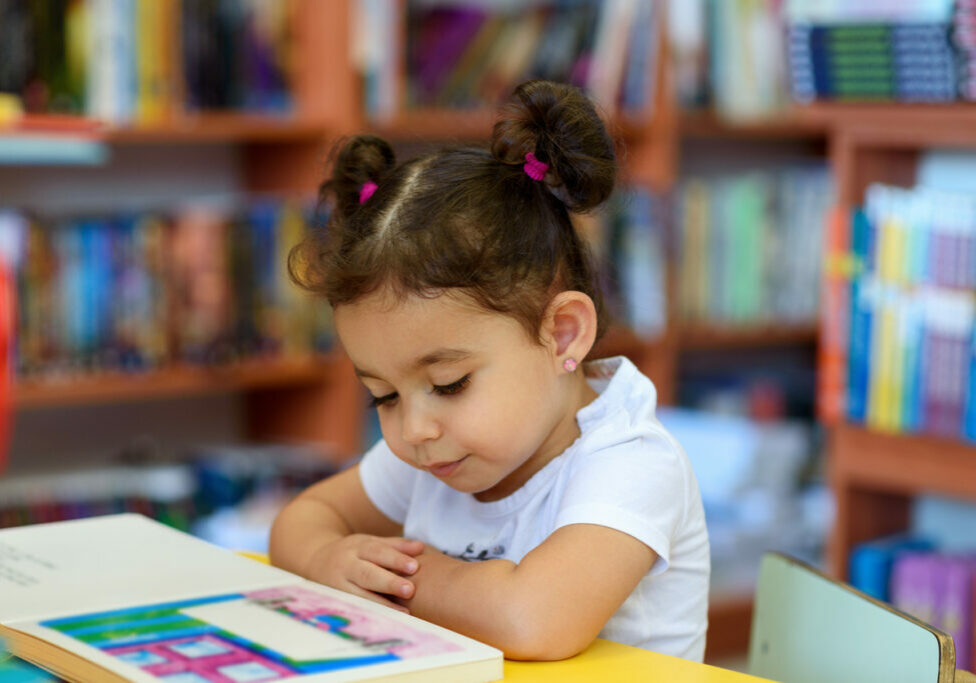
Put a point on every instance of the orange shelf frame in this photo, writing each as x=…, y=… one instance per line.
x=173, y=381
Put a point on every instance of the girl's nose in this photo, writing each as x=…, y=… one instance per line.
x=418, y=425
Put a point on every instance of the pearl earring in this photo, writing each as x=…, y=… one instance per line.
x=569, y=364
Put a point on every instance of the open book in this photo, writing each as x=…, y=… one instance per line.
x=124, y=598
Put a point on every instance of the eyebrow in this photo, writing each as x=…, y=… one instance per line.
x=433, y=358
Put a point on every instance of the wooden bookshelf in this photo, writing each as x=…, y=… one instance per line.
x=875, y=475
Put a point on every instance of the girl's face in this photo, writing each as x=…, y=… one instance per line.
x=460, y=391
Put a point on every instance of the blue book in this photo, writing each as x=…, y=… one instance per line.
x=969, y=419
x=871, y=563
x=860, y=327
x=912, y=371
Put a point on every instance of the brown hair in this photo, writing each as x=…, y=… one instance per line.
x=469, y=218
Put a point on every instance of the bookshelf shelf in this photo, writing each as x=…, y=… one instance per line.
x=903, y=463
x=437, y=124
x=894, y=125
x=182, y=380
x=790, y=125
x=205, y=128
x=700, y=336
x=219, y=128
x=887, y=123
x=49, y=124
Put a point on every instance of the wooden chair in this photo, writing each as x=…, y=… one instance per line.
x=809, y=627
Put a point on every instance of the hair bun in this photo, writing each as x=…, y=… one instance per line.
x=560, y=125
x=356, y=161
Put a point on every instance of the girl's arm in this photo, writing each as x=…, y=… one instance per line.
x=549, y=606
x=333, y=534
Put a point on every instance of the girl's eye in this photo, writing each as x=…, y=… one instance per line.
x=453, y=387
x=377, y=401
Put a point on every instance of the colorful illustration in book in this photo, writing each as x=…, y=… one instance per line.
x=263, y=635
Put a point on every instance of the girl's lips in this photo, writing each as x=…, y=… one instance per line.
x=444, y=469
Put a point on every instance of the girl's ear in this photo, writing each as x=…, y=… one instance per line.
x=569, y=326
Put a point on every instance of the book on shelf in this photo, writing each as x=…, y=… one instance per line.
x=938, y=588
x=901, y=321
x=139, y=61
x=902, y=62
x=470, y=55
x=747, y=75
x=131, y=291
x=123, y=598
x=871, y=563
x=749, y=246
x=887, y=51
x=627, y=238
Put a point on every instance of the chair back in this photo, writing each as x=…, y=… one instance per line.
x=809, y=627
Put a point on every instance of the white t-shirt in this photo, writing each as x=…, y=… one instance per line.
x=624, y=472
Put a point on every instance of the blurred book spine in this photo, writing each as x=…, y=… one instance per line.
x=909, y=311
x=728, y=55
x=749, y=247
x=179, y=492
x=964, y=39
x=461, y=55
x=891, y=51
x=628, y=240
x=132, y=292
x=938, y=588
x=140, y=61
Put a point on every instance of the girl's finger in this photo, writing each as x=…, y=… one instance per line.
x=372, y=577
x=404, y=545
x=388, y=557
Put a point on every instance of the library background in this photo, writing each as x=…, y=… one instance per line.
x=791, y=258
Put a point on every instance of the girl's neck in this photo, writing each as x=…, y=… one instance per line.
x=565, y=431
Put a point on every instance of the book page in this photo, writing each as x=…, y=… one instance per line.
x=87, y=565
x=269, y=634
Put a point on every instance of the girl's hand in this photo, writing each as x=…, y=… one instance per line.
x=371, y=567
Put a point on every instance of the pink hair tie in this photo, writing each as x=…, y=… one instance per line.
x=534, y=168
x=369, y=187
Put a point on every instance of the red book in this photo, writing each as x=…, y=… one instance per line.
x=8, y=321
x=835, y=317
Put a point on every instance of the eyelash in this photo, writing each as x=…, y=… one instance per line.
x=439, y=389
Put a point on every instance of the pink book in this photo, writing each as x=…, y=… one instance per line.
x=956, y=575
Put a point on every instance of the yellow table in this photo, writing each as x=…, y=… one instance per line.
x=608, y=661
x=601, y=661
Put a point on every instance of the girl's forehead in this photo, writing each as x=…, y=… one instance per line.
x=379, y=330
x=405, y=310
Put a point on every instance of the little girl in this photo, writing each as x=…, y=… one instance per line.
x=518, y=496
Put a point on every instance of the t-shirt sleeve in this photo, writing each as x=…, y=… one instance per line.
x=639, y=487
x=388, y=481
